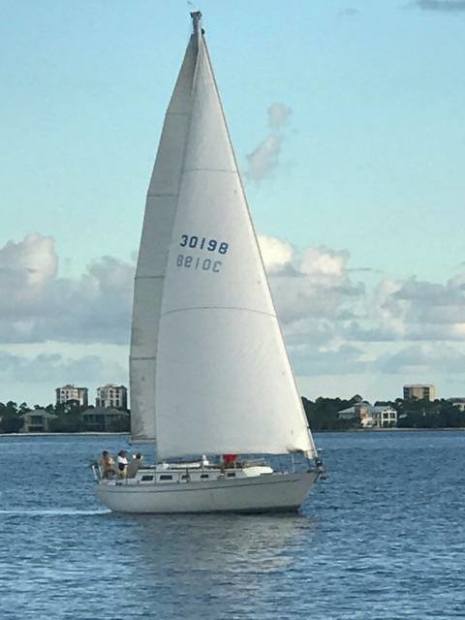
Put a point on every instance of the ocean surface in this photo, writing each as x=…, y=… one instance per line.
x=383, y=537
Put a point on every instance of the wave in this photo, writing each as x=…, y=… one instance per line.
x=55, y=512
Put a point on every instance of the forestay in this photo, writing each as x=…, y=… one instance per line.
x=223, y=379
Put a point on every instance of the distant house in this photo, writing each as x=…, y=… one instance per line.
x=360, y=412
x=458, y=402
x=37, y=421
x=384, y=416
x=105, y=419
x=370, y=416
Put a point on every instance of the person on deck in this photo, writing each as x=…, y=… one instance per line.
x=122, y=461
x=134, y=465
x=229, y=460
x=107, y=465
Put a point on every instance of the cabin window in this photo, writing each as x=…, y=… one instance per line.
x=147, y=479
x=184, y=477
x=166, y=477
x=231, y=475
x=204, y=475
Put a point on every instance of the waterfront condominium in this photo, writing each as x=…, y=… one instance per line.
x=420, y=391
x=112, y=396
x=70, y=392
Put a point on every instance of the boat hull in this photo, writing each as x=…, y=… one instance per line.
x=267, y=493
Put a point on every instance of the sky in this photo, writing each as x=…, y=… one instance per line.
x=347, y=119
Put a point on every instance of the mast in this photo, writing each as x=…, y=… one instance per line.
x=196, y=23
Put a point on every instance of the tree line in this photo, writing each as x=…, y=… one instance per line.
x=321, y=413
x=67, y=418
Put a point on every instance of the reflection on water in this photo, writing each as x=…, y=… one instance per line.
x=223, y=543
x=219, y=563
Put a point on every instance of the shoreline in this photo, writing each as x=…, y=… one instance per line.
x=446, y=429
x=80, y=434
x=409, y=429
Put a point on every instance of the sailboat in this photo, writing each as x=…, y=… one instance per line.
x=210, y=378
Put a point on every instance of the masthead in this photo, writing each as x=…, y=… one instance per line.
x=196, y=17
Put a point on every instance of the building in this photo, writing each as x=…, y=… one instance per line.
x=105, y=419
x=370, y=416
x=458, y=402
x=360, y=412
x=112, y=396
x=384, y=416
x=419, y=391
x=69, y=392
x=37, y=421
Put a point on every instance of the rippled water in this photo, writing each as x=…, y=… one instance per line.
x=383, y=537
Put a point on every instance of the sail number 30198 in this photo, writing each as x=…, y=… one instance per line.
x=201, y=243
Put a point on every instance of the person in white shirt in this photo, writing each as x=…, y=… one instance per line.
x=122, y=462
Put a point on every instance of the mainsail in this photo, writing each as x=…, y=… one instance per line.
x=209, y=370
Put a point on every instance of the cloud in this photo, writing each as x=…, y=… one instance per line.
x=278, y=115
x=422, y=360
x=349, y=12
x=447, y=6
x=25, y=269
x=334, y=322
x=313, y=285
x=36, y=305
x=343, y=360
x=265, y=158
x=276, y=254
x=54, y=368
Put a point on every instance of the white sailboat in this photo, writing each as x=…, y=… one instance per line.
x=209, y=373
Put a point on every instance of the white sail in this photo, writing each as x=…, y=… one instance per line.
x=162, y=197
x=223, y=379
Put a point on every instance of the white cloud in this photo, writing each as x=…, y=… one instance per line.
x=263, y=160
x=276, y=254
x=324, y=263
x=265, y=157
x=26, y=268
x=36, y=305
x=56, y=369
x=334, y=322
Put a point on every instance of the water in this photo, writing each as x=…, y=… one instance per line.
x=382, y=538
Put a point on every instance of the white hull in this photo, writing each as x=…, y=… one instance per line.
x=266, y=493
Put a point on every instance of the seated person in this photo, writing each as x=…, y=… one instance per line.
x=134, y=465
x=107, y=465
